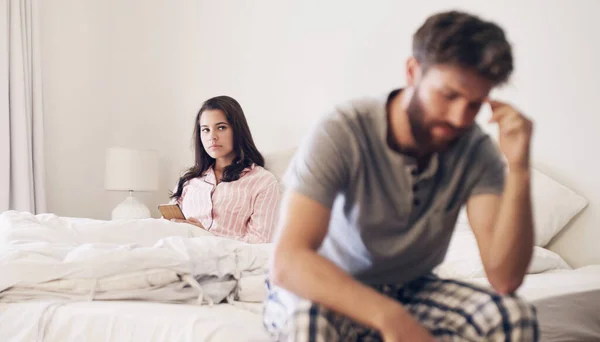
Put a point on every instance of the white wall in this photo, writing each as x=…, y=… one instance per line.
x=121, y=73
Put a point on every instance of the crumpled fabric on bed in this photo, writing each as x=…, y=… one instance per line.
x=45, y=256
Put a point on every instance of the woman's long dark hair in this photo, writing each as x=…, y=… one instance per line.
x=246, y=152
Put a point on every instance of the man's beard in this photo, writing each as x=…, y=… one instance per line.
x=416, y=119
x=421, y=130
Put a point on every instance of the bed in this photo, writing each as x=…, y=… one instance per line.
x=550, y=284
x=567, y=299
x=69, y=279
x=566, y=313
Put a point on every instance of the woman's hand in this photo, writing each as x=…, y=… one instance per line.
x=191, y=221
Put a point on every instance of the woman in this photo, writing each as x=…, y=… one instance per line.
x=227, y=191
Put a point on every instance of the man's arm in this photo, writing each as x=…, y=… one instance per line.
x=503, y=225
x=298, y=268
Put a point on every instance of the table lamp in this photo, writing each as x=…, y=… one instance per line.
x=131, y=170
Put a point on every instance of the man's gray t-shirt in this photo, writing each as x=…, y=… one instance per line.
x=389, y=222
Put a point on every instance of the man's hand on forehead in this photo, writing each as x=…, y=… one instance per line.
x=515, y=132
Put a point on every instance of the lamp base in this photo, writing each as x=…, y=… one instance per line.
x=130, y=208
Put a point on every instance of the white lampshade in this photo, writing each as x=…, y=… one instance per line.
x=131, y=170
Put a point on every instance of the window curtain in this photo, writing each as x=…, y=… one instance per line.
x=22, y=173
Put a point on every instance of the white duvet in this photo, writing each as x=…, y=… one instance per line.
x=45, y=256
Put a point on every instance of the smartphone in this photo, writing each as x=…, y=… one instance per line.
x=171, y=211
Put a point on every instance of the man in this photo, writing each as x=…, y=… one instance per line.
x=374, y=193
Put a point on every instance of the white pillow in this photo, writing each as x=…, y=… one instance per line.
x=464, y=262
x=278, y=162
x=554, y=206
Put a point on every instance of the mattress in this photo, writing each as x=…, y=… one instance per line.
x=107, y=321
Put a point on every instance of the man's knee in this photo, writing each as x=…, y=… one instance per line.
x=311, y=322
x=307, y=321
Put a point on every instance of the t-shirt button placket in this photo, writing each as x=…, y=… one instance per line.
x=416, y=200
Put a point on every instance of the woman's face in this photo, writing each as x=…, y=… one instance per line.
x=216, y=134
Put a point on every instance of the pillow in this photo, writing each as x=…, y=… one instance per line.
x=554, y=206
x=278, y=162
x=464, y=262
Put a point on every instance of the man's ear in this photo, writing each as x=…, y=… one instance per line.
x=413, y=72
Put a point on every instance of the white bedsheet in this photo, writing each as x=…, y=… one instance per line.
x=117, y=321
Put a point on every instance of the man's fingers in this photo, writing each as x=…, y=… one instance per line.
x=496, y=104
x=499, y=109
x=511, y=126
x=499, y=114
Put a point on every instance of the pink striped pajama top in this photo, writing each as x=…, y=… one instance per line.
x=245, y=209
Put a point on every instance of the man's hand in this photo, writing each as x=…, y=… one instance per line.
x=191, y=221
x=515, y=134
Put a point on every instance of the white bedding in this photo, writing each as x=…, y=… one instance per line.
x=45, y=256
x=157, y=322
x=80, y=260
x=116, y=321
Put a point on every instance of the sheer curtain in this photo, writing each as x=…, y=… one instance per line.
x=22, y=173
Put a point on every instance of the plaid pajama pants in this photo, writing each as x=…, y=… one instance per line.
x=451, y=310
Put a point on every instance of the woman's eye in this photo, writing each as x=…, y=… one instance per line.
x=204, y=130
x=222, y=128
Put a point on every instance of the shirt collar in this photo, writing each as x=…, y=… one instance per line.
x=211, y=178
